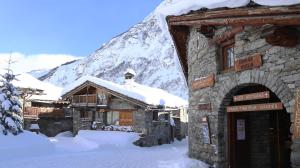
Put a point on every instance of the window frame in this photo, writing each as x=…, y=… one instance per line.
x=84, y=115
x=224, y=56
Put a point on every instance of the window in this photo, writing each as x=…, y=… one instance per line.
x=84, y=114
x=155, y=116
x=112, y=118
x=166, y=117
x=228, y=56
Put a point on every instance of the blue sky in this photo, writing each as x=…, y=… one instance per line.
x=72, y=27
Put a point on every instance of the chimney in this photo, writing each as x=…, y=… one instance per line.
x=129, y=76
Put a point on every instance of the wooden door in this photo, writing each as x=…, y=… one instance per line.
x=126, y=118
x=239, y=141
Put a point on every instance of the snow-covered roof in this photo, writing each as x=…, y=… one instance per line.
x=148, y=95
x=131, y=71
x=51, y=92
x=179, y=7
x=25, y=80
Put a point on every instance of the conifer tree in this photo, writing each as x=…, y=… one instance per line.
x=10, y=107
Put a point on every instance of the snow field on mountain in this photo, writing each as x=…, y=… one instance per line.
x=97, y=149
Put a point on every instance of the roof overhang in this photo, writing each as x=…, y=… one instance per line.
x=244, y=16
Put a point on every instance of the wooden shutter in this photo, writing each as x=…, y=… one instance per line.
x=126, y=118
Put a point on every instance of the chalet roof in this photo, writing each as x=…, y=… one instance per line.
x=46, y=91
x=148, y=95
x=183, y=14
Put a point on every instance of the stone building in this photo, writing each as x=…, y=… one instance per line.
x=242, y=67
x=99, y=104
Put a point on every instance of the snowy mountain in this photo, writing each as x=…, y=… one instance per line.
x=146, y=47
x=39, y=72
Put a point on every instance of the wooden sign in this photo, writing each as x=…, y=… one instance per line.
x=251, y=62
x=252, y=96
x=204, y=107
x=297, y=117
x=255, y=107
x=204, y=82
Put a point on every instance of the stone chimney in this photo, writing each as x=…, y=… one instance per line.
x=129, y=76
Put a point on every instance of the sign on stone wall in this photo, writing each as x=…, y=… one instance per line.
x=204, y=107
x=205, y=131
x=204, y=82
x=252, y=96
x=297, y=116
x=253, y=61
x=255, y=107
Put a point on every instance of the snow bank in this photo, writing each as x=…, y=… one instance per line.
x=65, y=134
x=88, y=140
x=26, y=143
x=109, y=138
x=148, y=95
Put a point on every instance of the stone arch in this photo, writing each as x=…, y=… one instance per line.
x=235, y=82
x=275, y=84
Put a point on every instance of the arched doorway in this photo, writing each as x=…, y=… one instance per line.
x=258, y=128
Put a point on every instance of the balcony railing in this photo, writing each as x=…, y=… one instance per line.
x=37, y=112
x=89, y=100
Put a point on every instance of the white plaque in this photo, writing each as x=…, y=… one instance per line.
x=240, y=128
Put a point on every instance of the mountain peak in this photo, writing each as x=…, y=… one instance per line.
x=146, y=47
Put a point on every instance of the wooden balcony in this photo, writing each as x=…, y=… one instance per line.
x=89, y=100
x=38, y=112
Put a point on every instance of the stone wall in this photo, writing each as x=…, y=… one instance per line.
x=53, y=126
x=50, y=126
x=280, y=73
x=79, y=123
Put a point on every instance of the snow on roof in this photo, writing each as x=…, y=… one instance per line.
x=179, y=7
x=131, y=71
x=148, y=95
x=25, y=80
x=51, y=92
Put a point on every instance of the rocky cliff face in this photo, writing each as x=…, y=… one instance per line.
x=146, y=47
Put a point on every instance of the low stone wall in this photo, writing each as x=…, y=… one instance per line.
x=159, y=133
x=51, y=126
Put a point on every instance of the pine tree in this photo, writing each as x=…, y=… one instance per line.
x=10, y=106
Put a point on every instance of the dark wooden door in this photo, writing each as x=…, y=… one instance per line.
x=239, y=141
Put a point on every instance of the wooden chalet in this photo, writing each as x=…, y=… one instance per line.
x=97, y=103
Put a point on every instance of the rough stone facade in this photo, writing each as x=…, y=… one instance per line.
x=280, y=73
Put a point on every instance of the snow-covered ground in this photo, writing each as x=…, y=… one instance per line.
x=95, y=149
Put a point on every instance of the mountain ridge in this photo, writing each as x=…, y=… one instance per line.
x=146, y=47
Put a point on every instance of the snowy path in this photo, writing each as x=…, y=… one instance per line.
x=72, y=153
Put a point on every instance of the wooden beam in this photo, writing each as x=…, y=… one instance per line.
x=284, y=36
x=180, y=36
x=236, y=12
x=286, y=20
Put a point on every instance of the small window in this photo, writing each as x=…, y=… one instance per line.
x=84, y=114
x=155, y=116
x=228, y=56
x=112, y=118
x=166, y=117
